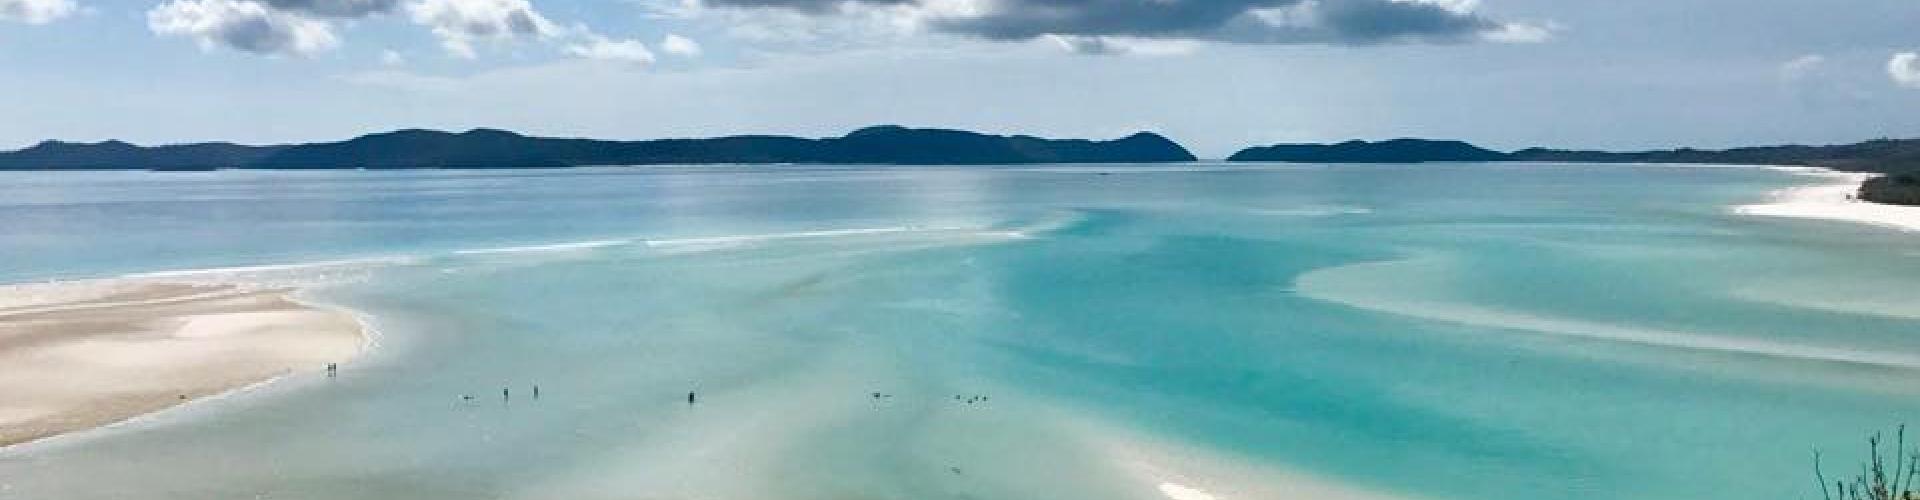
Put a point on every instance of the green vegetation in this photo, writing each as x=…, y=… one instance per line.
x=1897, y=189
x=1875, y=481
x=488, y=148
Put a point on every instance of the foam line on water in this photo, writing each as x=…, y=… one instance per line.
x=549, y=248
x=1052, y=222
x=272, y=274
x=1884, y=300
x=264, y=269
x=765, y=237
x=1351, y=285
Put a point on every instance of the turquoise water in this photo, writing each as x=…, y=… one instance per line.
x=1437, y=331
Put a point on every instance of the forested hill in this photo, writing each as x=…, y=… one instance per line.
x=1882, y=155
x=488, y=148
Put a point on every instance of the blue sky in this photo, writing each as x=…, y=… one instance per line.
x=1215, y=74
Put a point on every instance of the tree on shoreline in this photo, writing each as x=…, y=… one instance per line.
x=1894, y=189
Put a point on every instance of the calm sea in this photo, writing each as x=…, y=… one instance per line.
x=1511, y=331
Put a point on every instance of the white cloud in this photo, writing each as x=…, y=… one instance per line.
x=1521, y=33
x=343, y=9
x=460, y=23
x=851, y=24
x=304, y=27
x=36, y=11
x=601, y=48
x=243, y=25
x=1096, y=22
x=1118, y=45
x=680, y=46
x=1905, y=69
x=1801, y=67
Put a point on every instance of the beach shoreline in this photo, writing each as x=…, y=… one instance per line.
x=1833, y=199
x=89, y=354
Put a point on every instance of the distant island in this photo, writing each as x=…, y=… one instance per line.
x=1899, y=159
x=489, y=148
x=1393, y=151
x=896, y=145
x=1880, y=155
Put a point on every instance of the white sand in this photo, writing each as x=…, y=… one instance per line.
x=79, y=355
x=1832, y=199
x=1181, y=472
x=1181, y=492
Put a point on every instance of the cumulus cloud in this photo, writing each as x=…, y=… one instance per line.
x=1905, y=69
x=1095, y=25
x=680, y=46
x=812, y=6
x=36, y=11
x=601, y=48
x=244, y=25
x=335, y=8
x=461, y=23
x=804, y=26
x=303, y=27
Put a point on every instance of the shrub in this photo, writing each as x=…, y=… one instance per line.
x=1875, y=481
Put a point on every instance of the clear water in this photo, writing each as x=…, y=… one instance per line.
x=1436, y=331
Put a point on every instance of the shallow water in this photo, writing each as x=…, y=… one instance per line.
x=1435, y=331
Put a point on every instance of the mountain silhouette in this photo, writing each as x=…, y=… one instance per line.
x=1393, y=151
x=1879, y=155
x=490, y=148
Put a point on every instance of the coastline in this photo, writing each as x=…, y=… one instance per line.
x=82, y=355
x=1834, y=200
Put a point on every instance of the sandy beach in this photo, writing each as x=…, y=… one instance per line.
x=1833, y=199
x=80, y=355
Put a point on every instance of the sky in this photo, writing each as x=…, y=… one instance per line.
x=1215, y=75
